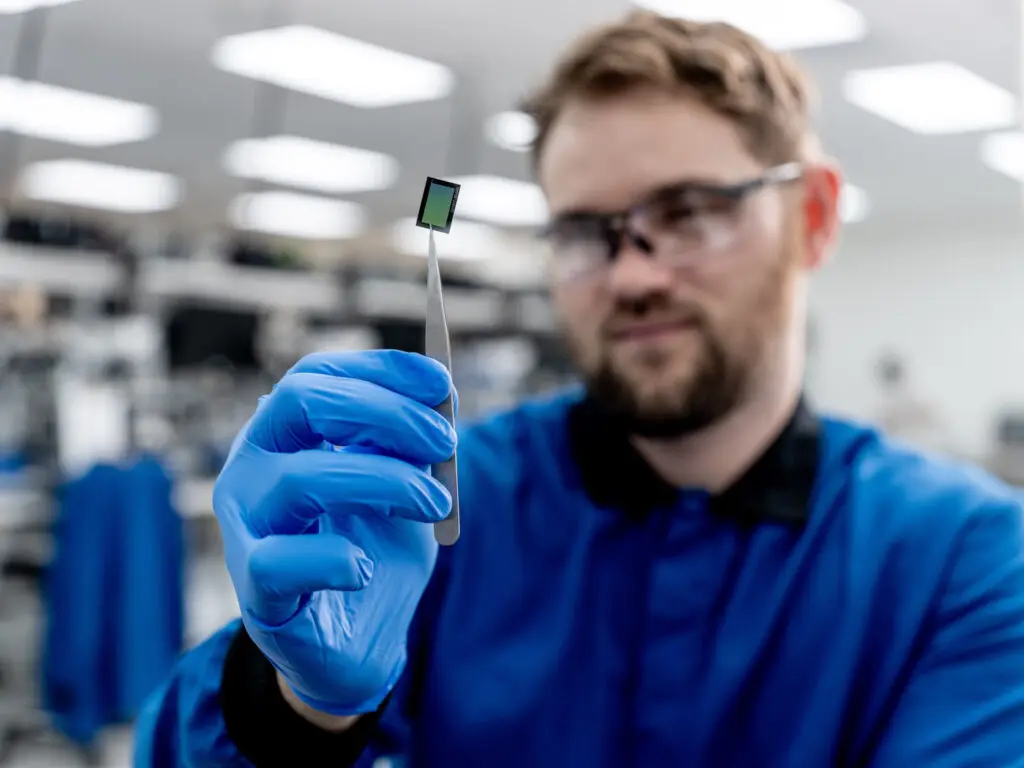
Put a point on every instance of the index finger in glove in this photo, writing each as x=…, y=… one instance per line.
x=407, y=373
x=308, y=409
x=296, y=489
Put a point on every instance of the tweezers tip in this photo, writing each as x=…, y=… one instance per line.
x=446, y=533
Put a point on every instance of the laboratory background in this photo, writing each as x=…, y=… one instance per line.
x=194, y=194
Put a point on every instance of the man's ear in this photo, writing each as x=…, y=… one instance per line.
x=823, y=184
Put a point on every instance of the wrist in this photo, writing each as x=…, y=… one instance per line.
x=322, y=720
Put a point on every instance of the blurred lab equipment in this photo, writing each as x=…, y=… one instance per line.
x=114, y=596
x=1008, y=457
x=903, y=414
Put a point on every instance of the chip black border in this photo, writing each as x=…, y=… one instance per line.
x=451, y=209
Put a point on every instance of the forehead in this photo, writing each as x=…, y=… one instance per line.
x=604, y=154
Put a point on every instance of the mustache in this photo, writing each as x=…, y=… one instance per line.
x=625, y=315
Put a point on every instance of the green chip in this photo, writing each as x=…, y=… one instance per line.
x=437, y=208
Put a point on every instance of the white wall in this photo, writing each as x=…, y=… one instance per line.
x=951, y=301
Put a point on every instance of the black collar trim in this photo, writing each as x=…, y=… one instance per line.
x=776, y=488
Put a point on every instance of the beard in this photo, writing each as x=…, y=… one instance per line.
x=719, y=375
x=714, y=386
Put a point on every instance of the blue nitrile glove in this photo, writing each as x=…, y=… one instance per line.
x=322, y=504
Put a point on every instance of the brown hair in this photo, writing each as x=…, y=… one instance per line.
x=765, y=93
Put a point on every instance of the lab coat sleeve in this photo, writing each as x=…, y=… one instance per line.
x=222, y=708
x=181, y=724
x=962, y=705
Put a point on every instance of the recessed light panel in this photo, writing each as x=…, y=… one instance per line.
x=305, y=217
x=935, y=98
x=469, y=241
x=321, y=63
x=1004, y=152
x=780, y=24
x=501, y=201
x=101, y=186
x=24, y=6
x=854, y=204
x=294, y=161
x=72, y=117
x=514, y=131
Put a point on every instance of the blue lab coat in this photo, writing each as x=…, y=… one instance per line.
x=114, y=597
x=849, y=602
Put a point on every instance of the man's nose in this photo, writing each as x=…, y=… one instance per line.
x=634, y=273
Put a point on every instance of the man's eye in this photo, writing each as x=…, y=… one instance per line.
x=677, y=213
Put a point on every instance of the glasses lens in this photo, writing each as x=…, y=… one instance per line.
x=674, y=226
x=688, y=222
x=578, y=245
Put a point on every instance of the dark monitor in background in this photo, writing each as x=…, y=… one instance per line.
x=197, y=337
x=58, y=232
x=400, y=334
x=251, y=254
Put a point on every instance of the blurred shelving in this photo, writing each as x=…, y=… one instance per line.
x=96, y=274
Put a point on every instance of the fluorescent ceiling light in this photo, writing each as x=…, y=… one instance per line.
x=935, y=98
x=23, y=6
x=72, y=117
x=300, y=216
x=1004, y=152
x=854, y=204
x=780, y=24
x=514, y=131
x=507, y=202
x=468, y=241
x=297, y=162
x=98, y=185
x=324, y=64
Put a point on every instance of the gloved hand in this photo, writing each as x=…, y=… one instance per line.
x=322, y=504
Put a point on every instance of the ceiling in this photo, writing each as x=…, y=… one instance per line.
x=159, y=53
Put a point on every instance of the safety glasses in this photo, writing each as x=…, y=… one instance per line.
x=673, y=224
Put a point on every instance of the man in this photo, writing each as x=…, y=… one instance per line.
x=682, y=566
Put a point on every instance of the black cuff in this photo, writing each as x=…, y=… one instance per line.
x=267, y=731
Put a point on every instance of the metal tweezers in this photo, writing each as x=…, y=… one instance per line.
x=437, y=345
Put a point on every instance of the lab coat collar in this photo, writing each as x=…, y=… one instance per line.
x=777, y=488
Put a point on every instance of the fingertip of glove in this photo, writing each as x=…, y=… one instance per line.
x=443, y=508
x=451, y=441
x=436, y=379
